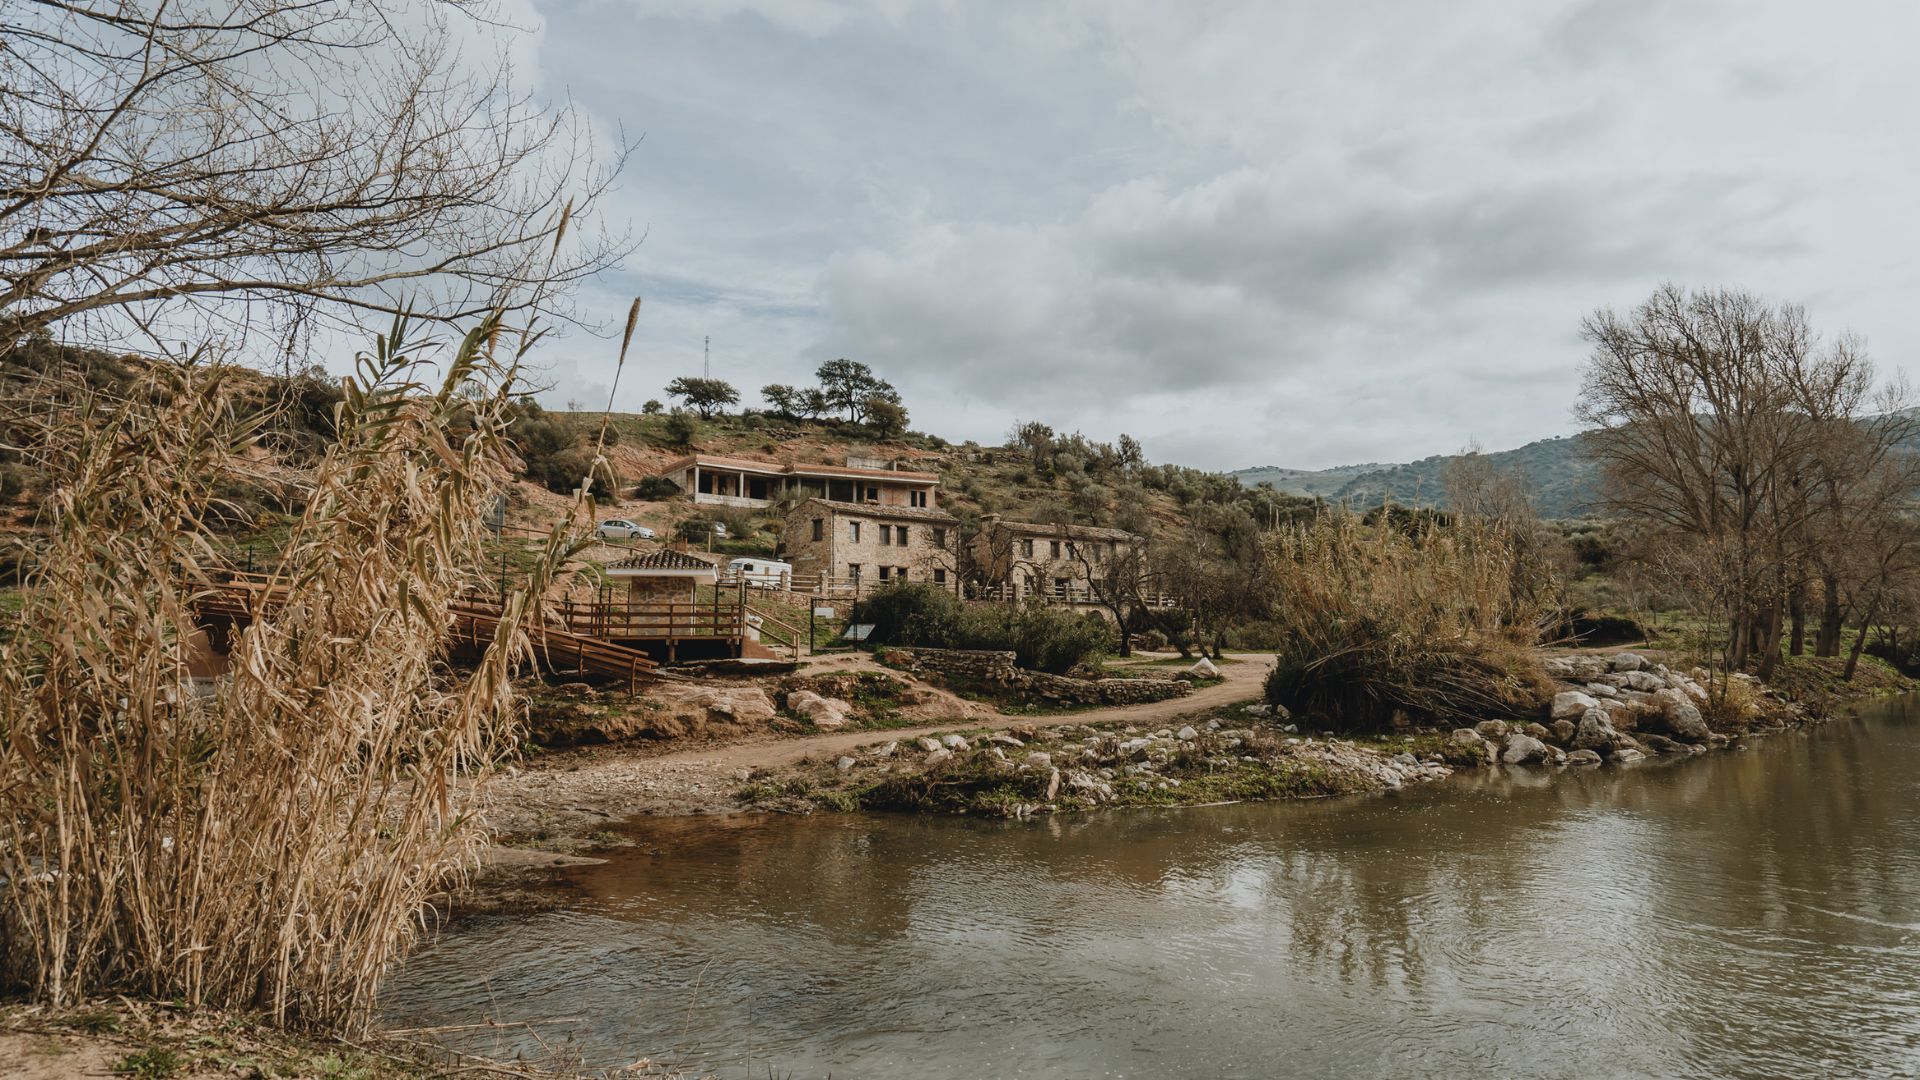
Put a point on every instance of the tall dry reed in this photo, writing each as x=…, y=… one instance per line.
x=268, y=842
x=1421, y=618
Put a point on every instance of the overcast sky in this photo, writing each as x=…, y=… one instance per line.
x=1295, y=233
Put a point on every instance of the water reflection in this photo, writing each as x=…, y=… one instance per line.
x=1750, y=914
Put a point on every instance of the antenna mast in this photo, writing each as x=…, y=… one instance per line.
x=706, y=357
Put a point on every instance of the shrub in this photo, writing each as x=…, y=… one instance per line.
x=652, y=407
x=655, y=487
x=912, y=613
x=1422, y=621
x=682, y=428
x=1041, y=637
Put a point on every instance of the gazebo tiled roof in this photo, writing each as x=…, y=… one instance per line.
x=665, y=558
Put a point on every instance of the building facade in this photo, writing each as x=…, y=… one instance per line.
x=724, y=481
x=1064, y=563
x=865, y=544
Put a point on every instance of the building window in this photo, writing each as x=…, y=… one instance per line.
x=819, y=529
x=1053, y=548
x=1026, y=548
x=939, y=575
x=884, y=569
x=902, y=531
x=873, y=494
x=1060, y=587
x=940, y=538
x=853, y=533
x=853, y=571
x=886, y=534
x=916, y=498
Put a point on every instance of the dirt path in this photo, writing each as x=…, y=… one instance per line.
x=574, y=793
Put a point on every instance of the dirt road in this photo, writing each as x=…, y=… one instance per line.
x=573, y=793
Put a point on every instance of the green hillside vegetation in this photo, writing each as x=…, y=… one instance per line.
x=1557, y=474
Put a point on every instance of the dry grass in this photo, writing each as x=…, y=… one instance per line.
x=1421, y=620
x=268, y=845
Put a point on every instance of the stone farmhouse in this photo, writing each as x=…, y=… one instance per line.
x=724, y=481
x=1061, y=563
x=860, y=545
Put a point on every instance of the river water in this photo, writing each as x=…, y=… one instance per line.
x=1754, y=913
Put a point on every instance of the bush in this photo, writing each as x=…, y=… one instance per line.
x=1042, y=638
x=655, y=487
x=912, y=613
x=682, y=428
x=1396, y=620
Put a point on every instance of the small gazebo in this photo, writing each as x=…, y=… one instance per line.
x=669, y=574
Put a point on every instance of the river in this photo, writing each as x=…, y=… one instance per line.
x=1753, y=913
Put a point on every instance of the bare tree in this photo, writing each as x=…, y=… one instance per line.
x=212, y=169
x=1724, y=422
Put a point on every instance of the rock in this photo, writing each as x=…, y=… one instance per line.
x=1524, y=750
x=843, y=764
x=1563, y=731
x=1626, y=755
x=1134, y=746
x=953, y=742
x=1595, y=731
x=940, y=755
x=1040, y=759
x=1569, y=704
x=1645, y=680
x=823, y=712
x=1260, y=708
x=1582, y=758
x=1627, y=661
x=1005, y=740
x=1053, y=785
x=1600, y=689
x=1685, y=723
x=1538, y=731
x=1291, y=729
x=1404, y=758
x=888, y=750
x=1491, y=729
x=927, y=744
x=1464, y=736
x=1187, y=734
x=1204, y=669
x=1660, y=744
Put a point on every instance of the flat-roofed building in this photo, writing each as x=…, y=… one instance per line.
x=728, y=481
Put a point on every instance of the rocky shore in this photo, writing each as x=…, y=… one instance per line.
x=1613, y=709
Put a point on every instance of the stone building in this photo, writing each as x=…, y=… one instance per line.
x=668, y=574
x=864, y=544
x=1017, y=559
x=725, y=481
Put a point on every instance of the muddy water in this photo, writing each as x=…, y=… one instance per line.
x=1743, y=914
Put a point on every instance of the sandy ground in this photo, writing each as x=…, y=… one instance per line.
x=574, y=793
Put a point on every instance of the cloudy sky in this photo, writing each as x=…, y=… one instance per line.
x=1283, y=232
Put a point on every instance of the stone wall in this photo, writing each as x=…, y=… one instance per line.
x=995, y=672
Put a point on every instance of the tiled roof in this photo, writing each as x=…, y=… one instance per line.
x=663, y=559
x=781, y=468
x=1063, y=532
x=902, y=513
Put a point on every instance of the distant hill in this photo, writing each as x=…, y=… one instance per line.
x=1557, y=471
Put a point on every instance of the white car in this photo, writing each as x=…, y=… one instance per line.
x=622, y=529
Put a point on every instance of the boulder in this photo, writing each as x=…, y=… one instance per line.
x=1523, y=750
x=1187, y=734
x=1645, y=680
x=1053, y=785
x=1258, y=708
x=843, y=763
x=953, y=742
x=1040, y=759
x=1600, y=689
x=940, y=755
x=1538, y=731
x=1626, y=755
x=1579, y=758
x=822, y=712
x=927, y=744
x=1570, y=704
x=1627, y=661
x=1491, y=729
x=1595, y=731
x=888, y=750
x=1204, y=669
x=1563, y=731
x=1685, y=723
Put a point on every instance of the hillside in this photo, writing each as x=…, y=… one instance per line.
x=1557, y=472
